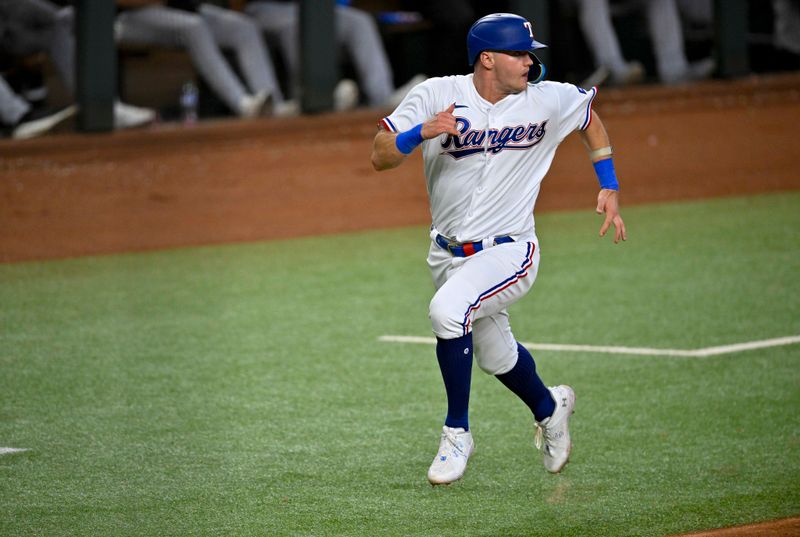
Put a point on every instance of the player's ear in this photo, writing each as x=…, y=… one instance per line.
x=487, y=59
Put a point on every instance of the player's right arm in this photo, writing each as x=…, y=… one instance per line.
x=385, y=154
x=388, y=152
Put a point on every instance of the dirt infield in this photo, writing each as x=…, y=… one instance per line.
x=789, y=527
x=167, y=186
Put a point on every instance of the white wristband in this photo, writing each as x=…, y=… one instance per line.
x=606, y=151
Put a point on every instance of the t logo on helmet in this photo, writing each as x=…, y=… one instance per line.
x=529, y=26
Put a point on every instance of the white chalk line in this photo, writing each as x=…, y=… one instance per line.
x=9, y=450
x=640, y=351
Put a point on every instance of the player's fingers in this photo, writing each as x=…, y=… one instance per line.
x=605, y=226
x=448, y=127
x=443, y=123
x=451, y=109
x=621, y=227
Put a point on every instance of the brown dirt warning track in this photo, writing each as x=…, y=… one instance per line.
x=163, y=187
x=231, y=181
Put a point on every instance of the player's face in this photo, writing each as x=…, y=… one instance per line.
x=511, y=70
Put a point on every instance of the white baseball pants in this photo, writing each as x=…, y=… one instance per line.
x=473, y=294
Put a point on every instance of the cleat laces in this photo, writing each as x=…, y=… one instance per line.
x=542, y=432
x=454, y=447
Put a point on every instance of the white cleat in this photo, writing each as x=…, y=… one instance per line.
x=251, y=106
x=450, y=463
x=127, y=116
x=345, y=95
x=37, y=127
x=555, y=430
x=290, y=108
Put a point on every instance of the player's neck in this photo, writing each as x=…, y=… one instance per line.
x=487, y=87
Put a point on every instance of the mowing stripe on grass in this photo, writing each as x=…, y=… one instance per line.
x=9, y=450
x=641, y=351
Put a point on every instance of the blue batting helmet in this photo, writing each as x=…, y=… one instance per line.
x=502, y=31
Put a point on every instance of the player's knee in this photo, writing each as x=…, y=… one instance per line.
x=496, y=361
x=444, y=321
x=495, y=345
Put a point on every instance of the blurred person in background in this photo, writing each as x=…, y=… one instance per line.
x=666, y=34
x=594, y=17
x=787, y=25
x=356, y=31
x=30, y=27
x=203, y=30
x=666, y=31
x=19, y=119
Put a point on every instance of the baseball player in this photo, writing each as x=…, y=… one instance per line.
x=487, y=140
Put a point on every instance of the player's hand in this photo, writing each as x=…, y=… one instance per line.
x=441, y=123
x=608, y=203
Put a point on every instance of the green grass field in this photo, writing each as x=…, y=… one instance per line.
x=242, y=390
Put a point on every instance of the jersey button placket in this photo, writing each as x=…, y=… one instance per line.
x=488, y=153
x=480, y=187
x=487, y=160
x=473, y=202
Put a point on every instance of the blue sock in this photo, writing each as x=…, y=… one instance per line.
x=455, y=363
x=523, y=381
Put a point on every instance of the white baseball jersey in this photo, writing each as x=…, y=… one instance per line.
x=484, y=183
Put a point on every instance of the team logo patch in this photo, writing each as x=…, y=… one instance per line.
x=473, y=141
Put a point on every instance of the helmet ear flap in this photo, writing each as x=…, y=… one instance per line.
x=533, y=77
x=540, y=76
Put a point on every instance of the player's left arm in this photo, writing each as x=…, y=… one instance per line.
x=595, y=137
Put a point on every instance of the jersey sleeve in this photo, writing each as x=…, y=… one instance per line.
x=413, y=110
x=575, y=108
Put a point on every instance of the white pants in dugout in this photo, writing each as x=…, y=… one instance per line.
x=473, y=294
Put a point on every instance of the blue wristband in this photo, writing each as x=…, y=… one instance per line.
x=606, y=174
x=408, y=140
